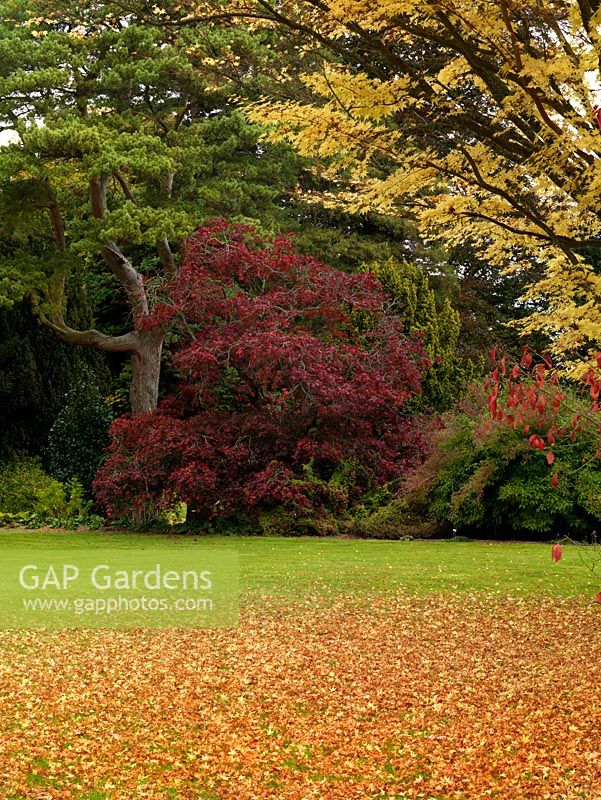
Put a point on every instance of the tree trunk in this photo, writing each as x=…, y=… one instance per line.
x=145, y=346
x=146, y=364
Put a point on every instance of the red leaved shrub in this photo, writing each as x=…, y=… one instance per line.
x=295, y=388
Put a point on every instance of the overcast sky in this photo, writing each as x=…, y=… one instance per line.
x=6, y=136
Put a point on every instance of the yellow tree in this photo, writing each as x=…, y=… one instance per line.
x=480, y=116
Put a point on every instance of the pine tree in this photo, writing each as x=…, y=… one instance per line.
x=125, y=136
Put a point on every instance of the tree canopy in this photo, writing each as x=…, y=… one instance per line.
x=477, y=116
x=124, y=136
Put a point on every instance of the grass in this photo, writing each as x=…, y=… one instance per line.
x=466, y=674
x=324, y=568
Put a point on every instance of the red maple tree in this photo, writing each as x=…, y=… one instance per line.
x=295, y=391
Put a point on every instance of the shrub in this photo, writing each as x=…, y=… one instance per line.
x=393, y=520
x=488, y=480
x=79, y=437
x=31, y=497
x=23, y=484
x=294, y=391
x=281, y=521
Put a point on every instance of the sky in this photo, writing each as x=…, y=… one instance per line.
x=6, y=137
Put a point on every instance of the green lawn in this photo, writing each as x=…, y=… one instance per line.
x=307, y=568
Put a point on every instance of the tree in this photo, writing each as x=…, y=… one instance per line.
x=438, y=329
x=37, y=370
x=488, y=302
x=476, y=115
x=296, y=380
x=124, y=136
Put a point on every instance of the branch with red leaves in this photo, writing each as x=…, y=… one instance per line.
x=528, y=395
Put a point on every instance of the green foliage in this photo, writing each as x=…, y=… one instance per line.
x=31, y=497
x=79, y=436
x=391, y=519
x=338, y=515
x=488, y=481
x=150, y=106
x=23, y=483
x=437, y=325
x=281, y=521
x=36, y=371
x=489, y=301
x=349, y=241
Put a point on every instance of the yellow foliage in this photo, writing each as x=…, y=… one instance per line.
x=490, y=137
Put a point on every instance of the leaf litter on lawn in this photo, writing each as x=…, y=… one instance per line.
x=436, y=697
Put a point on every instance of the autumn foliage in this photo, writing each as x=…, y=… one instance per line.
x=527, y=396
x=295, y=381
x=444, y=696
x=556, y=552
x=493, y=117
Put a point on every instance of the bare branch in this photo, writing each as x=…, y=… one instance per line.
x=126, y=343
x=125, y=186
x=117, y=262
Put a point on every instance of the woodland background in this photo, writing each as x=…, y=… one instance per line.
x=271, y=248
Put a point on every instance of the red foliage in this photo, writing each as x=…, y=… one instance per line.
x=291, y=363
x=532, y=397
